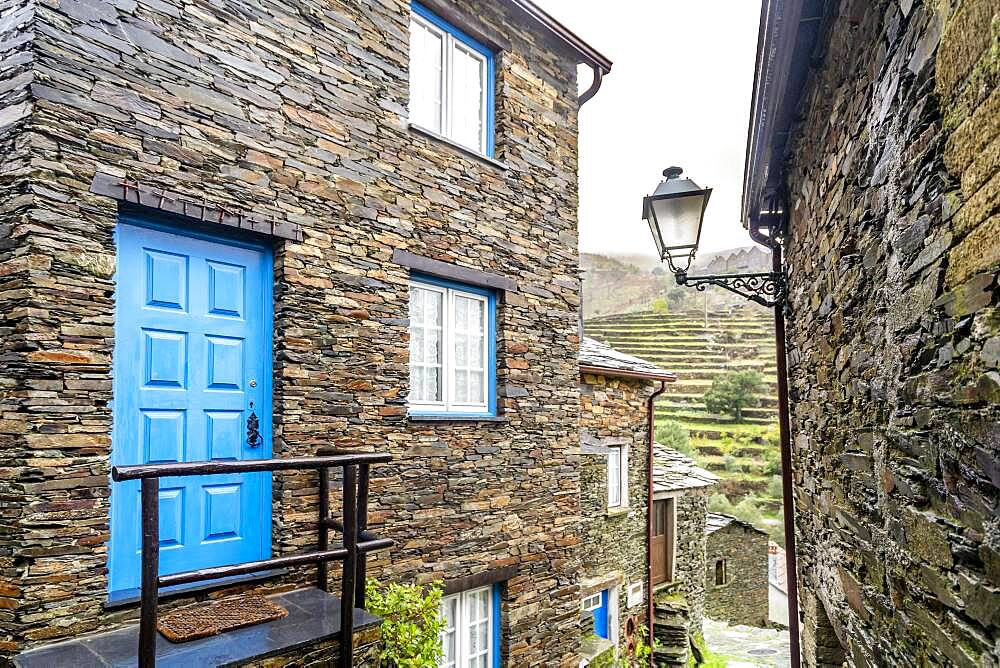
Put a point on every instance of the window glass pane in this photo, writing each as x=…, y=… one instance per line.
x=614, y=477
x=476, y=316
x=461, y=313
x=416, y=306
x=426, y=76
x=434, y=306
x=476, y=353
x=476, y=387
x=468, y=78
x=461, y=350
x=461, y=385
x=416, y=345
x=432, y=350
x=432, y=384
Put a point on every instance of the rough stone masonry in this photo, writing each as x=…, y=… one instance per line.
x=295, y=113
x=894, y=342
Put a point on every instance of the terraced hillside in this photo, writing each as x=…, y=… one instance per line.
x=698, y=348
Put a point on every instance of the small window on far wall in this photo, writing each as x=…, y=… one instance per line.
x=451, y=82
x=720, y=572
x=617, y=477
x=452, y=349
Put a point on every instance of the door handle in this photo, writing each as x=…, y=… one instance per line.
x=253, y=429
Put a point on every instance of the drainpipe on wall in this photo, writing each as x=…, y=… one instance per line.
x=788, y=508
x=594, y=86
x=650, y=423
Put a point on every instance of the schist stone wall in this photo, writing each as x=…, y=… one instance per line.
x=295, y=113
x=689, y=563
x=613, y=544
x=894, y=346
x=743, y=597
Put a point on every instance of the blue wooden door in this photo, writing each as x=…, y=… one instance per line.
x=601, y=615
x=192, y=362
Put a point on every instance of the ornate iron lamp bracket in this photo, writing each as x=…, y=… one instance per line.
x=767, y=289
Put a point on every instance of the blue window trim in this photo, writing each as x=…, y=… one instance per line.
x=491, y=337
x=478, y=47
x=496, y=594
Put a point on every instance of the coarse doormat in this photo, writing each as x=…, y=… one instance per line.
x=209, y=619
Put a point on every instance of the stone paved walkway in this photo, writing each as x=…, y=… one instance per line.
x=746, y=646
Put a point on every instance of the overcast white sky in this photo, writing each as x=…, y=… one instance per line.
x=678, y=94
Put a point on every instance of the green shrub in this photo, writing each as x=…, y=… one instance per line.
x=774, y=487
x=411, y=622
x=719, y=503
x=673, y=434
x=731, y=465
x=747, y=511
x=733, y=391
x=772, y=461
x=660, y=306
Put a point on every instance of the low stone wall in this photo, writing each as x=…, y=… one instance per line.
x=367, y=646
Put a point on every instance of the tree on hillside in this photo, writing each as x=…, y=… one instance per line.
x=733, y=391
x=660, y=306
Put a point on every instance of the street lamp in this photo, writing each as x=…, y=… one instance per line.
x=675, y=212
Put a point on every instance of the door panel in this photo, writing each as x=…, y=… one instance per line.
x=192, y=354
x=658, y=545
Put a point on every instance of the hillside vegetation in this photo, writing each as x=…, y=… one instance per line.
x=699, y=348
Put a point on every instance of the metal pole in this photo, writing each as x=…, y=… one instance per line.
x=363, y=484
x=788, y=502
x=323, y=568
x=350, y=566
x=650, y=464
x=150, y=509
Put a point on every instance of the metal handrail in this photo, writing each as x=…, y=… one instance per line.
x=358, y=541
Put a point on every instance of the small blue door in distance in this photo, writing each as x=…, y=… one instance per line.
x=192, y=351
x=601, y=617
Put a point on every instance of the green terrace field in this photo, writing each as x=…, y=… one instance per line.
x=698, y=348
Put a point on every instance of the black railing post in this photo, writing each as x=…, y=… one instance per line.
x=150, y=509
x=322, y=569
x=350, y=565
x=359, y=587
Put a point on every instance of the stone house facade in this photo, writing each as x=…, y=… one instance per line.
x=281, y=132
x=736, y=577
x=889, y=176
x=616, y=394
x=680, y=501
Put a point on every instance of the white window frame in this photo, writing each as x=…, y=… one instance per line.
x=591, y=602
x=448, y=404
x=634, y=596
x=618, y=481
x=447, y=120
x=464, y=602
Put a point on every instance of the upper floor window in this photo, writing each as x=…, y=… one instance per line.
x=452, y=349
x=451, y=82
x=617, y=477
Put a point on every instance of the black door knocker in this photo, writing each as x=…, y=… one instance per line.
x=253, y=429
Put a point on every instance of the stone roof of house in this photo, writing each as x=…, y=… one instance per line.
x=598, y=356
x=673, y=471
x=716, y=521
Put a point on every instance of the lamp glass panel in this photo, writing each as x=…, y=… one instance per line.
x=679, y=219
